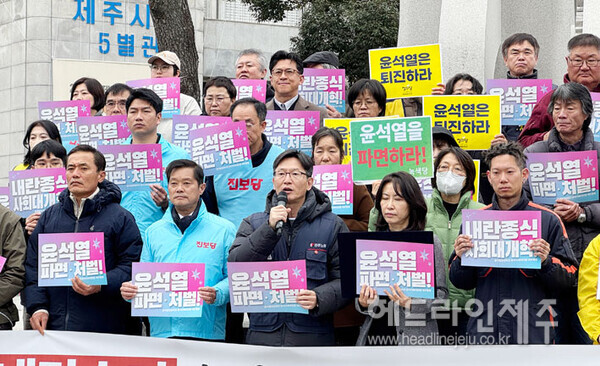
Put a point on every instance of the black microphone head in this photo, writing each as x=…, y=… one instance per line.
x=281, y=198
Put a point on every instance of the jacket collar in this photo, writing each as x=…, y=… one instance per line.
x=108, y=193
x=595, y=90
x=519, y=206
x=315, y=204
x=436, y=197
x=555, y=144
x=533, y=75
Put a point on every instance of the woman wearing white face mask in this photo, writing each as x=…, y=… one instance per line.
x=453, y=186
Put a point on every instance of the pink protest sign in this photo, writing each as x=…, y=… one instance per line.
x=501, y=238
x=167, y=289
x=168, y=89
x=182, y=125
x=133, y=167
x=336, y=182
x=35, y=190
x=518, y=97
x=251, y=88
x=221, y=149
x=103, y=130
x=572, y=175
x=2, y=261
x=325, y=87
x=5, y=197
x=381, y=264
x=64, y=114
x=292, y=129
x=266, y=287
x=595, y=124
x=63, y=256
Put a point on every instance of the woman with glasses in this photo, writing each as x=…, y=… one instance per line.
x=453, y=187
x=219, y=94
x=367, y=98
x=402, y=207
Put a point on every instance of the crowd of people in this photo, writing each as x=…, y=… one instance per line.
x=554, y=304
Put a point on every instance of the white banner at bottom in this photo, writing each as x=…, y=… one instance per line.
x=29, y=348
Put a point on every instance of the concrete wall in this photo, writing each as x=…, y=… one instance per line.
x=229, y=38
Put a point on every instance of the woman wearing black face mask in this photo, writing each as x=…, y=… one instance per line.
x=453, y=187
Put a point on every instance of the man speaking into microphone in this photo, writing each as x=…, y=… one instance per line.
x=296, y=224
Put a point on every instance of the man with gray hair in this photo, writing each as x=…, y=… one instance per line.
x=583, y=67
x=571, y=108
x=252, y=64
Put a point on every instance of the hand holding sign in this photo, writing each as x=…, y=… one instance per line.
x=462, y=244
x=128, y=290
x=307, y=299
x=208, y=294
x=567, y=210
x=540, y=248
x=368, y=296
x=81, y=288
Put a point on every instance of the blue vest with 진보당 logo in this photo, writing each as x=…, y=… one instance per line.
x=243, y=192
x=165, y=243
x=140, y=203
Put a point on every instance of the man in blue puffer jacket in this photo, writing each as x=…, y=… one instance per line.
x=187, y=233
x=90, y=203
x=310, y=232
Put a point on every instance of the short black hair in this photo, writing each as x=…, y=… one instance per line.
x=49, y=147
x=467, y=163
x=511, y=148
x=99, y=159
x=477, y=87
x=221, y=82
x=284, y=55
x=406, y=186
x=148, y=95
x=260, y=107
x=374, y=87
x=334, y=134
x=305, y=160
x=95, y=88
x=118, y=88
x=185, y=163
x=51, y=129
x=584, y=39
x=574, y=92
x=519, y=38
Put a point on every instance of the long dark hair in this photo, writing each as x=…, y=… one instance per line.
x=50, y=128
x=407, y=187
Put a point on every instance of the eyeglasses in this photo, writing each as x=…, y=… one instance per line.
x=162, y=68
x=288, y=72
x=295, y=175
x=219, y=100
x=358, y=103
x=112, y=103
x=579, y=62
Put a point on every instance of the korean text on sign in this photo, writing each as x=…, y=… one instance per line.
x=266, y=287
x=251, y=88
x=221, y=149
x=501, y=238
x=381, y=264
x=102, y=130
x=407, y=71
x=35, y=190
x=336, y=182
x=63, y=256
x=383, y=146
x=133, y=167
x=5, y=197
x=292, y=129
x=167, y=289
x=571, y=175
x=182, y=125
x=168, y=89
x=518, y=97
x=474, y=120
x=65, y=114
x=325, y=87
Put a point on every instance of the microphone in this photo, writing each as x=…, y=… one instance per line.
x=281, y=201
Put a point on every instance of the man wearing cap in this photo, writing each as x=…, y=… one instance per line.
x=324, y=60
x=166, y=64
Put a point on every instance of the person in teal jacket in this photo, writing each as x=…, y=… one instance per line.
x=144, y=109
x=453, y=187
x=174, y=238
